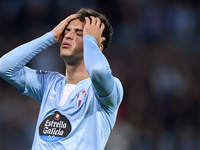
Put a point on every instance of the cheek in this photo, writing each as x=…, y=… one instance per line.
x=79, y=43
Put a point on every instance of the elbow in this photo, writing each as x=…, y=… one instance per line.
x=102, y=80
x=3, y=67
x=100, y=73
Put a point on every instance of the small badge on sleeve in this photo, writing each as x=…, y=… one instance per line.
x=54, y=128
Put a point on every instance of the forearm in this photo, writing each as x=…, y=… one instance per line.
x=12, y=63
x=97, y=67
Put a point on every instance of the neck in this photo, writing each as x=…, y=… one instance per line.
x=76, y=73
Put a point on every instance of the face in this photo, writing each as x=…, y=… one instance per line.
x=71, y=49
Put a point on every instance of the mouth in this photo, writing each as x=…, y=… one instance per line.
x=66, y=45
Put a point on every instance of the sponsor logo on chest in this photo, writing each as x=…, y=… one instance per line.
x=55, y=127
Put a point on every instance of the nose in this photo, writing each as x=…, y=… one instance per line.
x=69, y=35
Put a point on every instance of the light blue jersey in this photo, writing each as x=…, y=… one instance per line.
x=86, y=119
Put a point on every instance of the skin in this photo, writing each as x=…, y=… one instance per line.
x=70, y=33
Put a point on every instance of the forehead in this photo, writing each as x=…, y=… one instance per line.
x=76, y=24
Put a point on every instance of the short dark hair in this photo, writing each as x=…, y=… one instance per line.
x=107, y=32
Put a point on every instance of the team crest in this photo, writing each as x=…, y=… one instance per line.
x=80, y=97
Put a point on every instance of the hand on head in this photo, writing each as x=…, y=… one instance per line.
x=94, y=27
x=58, y=30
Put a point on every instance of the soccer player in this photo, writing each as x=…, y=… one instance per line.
x=78, y=110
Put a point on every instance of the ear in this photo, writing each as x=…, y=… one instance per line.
x=101, y=45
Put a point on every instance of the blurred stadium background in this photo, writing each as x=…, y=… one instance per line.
x=155, y=53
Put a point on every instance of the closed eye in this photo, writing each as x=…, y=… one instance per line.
x=67, y=30
x=79, y=32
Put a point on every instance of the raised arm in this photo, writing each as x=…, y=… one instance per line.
x=12, y=64
x=95, y=62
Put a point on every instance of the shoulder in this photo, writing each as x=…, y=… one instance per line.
x=49, y=75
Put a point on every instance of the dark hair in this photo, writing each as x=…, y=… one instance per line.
x=107, y=32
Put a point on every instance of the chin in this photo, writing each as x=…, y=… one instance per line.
x=65, y=52
x=64, y=56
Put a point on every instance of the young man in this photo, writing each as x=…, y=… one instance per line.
x=78, y=110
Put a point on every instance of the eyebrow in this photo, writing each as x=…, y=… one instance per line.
x=76, y=29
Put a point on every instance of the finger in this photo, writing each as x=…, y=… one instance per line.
x=70, y=18
x=87, y=20
x=102, y=27
x=93, y=20
x=73, y=16
x=102, y=39
x=98, y=22
x=66, y=21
